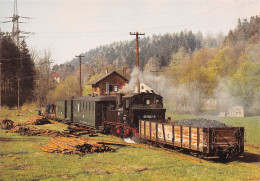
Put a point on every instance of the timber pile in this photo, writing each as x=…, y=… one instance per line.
x=38, y=120
x=63, y=145
x=77, y=131
x=32, y=131
x=7, y=124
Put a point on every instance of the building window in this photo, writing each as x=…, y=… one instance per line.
x=115, y=88
x=142, y=87
x=107, y=87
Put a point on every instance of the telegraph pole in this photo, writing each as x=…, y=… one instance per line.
x=137, y=58
x=80, y=92
x=18, y=96
x=0, y=86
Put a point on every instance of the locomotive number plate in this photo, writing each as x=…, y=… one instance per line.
x=149, y=116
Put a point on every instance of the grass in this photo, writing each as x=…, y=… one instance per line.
x=23, y=160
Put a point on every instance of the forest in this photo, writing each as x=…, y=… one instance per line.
x=186, y=68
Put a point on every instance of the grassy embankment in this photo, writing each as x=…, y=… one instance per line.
x=23, y=160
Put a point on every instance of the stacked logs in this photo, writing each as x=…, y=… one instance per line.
x=7, y=124
x=38, y=120
x=63, y=145
x=32, y=131
x=78, y=131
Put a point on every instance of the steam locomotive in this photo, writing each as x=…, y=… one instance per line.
x=142, y=115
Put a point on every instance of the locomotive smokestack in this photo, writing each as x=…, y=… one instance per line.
x=119, y=97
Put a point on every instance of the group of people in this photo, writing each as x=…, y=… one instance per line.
x=50, y=108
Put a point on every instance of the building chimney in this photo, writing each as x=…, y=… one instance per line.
x=106, y=70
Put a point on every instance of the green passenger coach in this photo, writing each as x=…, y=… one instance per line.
x=87, y=110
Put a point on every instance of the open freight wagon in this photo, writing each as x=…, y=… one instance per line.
x=224, y=142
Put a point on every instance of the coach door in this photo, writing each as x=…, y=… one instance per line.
x=65, y=109
x=71, y=110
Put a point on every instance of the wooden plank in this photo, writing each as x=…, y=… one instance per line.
x=163, y=133
x=156, y=132
x=198, y=139
x=153, y=125
x=181, y=134
x=173, y=139
x=190, y=137
x=140, y=128
x=150, y=130
x=208, y=140
x=144, y=129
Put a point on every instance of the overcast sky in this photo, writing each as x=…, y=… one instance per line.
x=70, y=27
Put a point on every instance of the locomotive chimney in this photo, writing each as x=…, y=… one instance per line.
x=119, y=97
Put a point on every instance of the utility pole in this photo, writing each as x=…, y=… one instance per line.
x=80, y=92
x=0, y=86
x=137, y=58
x=15, y=20
x=18, y=96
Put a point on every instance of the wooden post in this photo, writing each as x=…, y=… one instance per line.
x=18, y=96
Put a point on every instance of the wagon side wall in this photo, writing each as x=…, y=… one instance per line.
x=181, y=136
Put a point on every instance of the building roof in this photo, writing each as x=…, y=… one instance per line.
x=54, y=74
x=103, y=76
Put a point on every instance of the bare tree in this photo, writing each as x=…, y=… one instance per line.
x=44, y=82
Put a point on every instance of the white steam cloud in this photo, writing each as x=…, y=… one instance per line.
x=186, y=98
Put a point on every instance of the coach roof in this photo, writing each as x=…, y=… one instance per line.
x=95, y=98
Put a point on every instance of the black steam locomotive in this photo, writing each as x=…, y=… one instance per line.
x=118, y=115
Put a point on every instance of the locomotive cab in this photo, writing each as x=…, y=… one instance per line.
x=147, y=106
